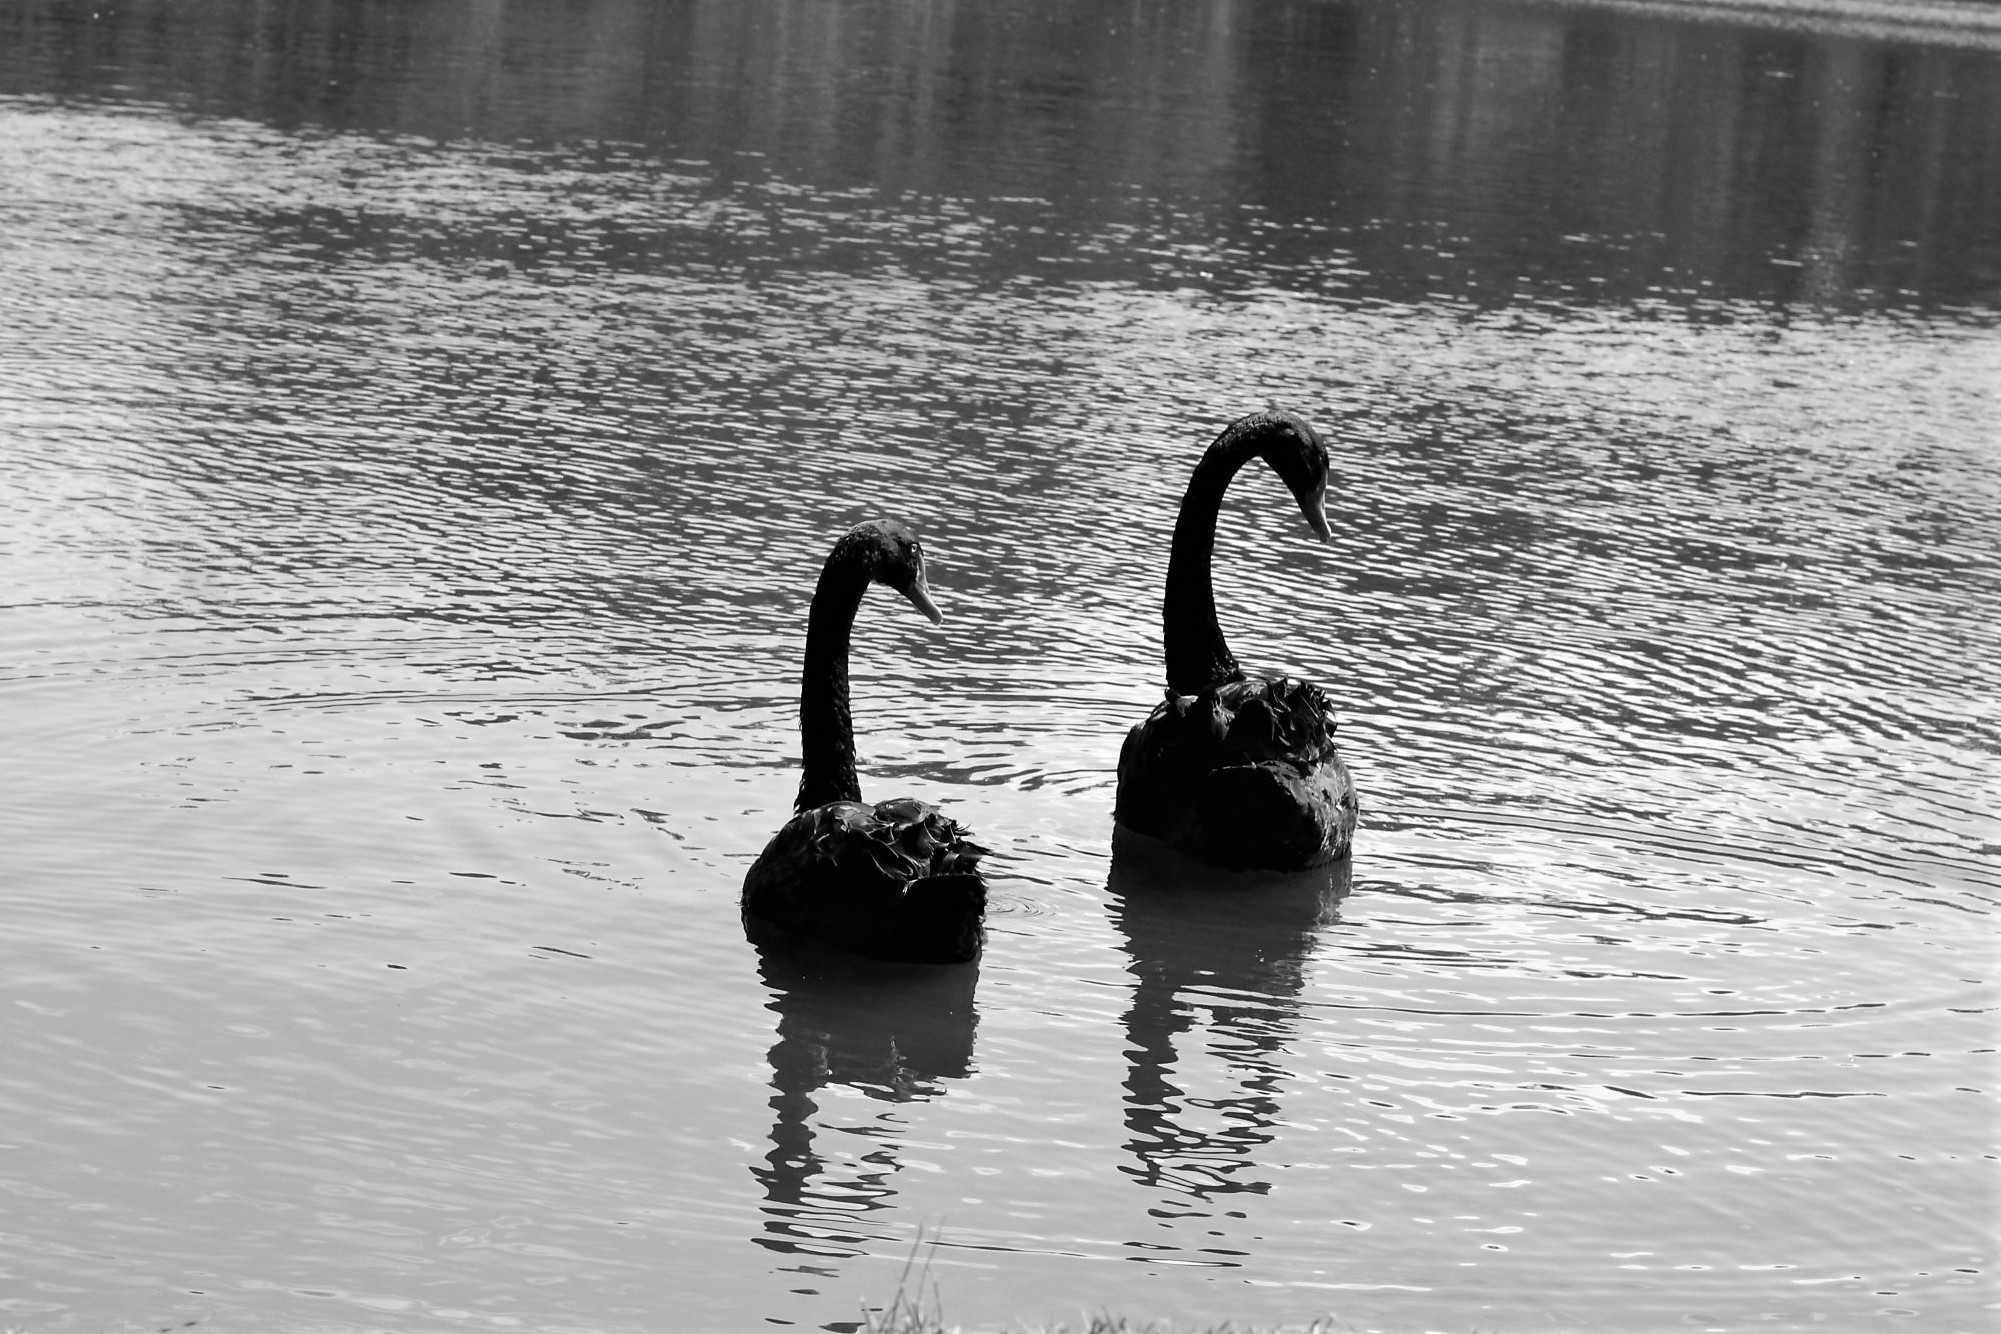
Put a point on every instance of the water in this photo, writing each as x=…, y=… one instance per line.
x=420, y=426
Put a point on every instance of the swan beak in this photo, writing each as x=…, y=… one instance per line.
x=1315, y=511
x=919, y=594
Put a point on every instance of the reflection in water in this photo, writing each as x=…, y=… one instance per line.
x=891, y=1032
x=1444, y=149
x=1235, y=944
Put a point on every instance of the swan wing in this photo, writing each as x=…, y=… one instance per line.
x=896, y=880
x=1245, y=774
x=1276, y=718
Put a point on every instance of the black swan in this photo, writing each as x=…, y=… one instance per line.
x=1238, y=771
x=895, y=880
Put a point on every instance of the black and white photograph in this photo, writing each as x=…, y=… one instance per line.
x=1000, y=666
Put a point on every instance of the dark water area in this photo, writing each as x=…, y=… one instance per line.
x=420, y=428
x=1495, y=155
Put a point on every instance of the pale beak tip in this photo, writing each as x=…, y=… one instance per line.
x=920, y=598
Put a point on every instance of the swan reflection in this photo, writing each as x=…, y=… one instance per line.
x=892, y=1032
x=1231, y=949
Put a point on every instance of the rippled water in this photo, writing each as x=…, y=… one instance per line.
x=420, y=426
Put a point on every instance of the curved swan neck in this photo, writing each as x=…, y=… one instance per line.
x=826, y=724
x=1197, y=655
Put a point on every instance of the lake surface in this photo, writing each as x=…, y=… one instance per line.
x=420, y=428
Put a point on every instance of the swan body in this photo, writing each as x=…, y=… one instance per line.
x=1239, y=771
x=892, y=880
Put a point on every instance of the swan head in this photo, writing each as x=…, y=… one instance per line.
x=893, y=557
x=1297, y=454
